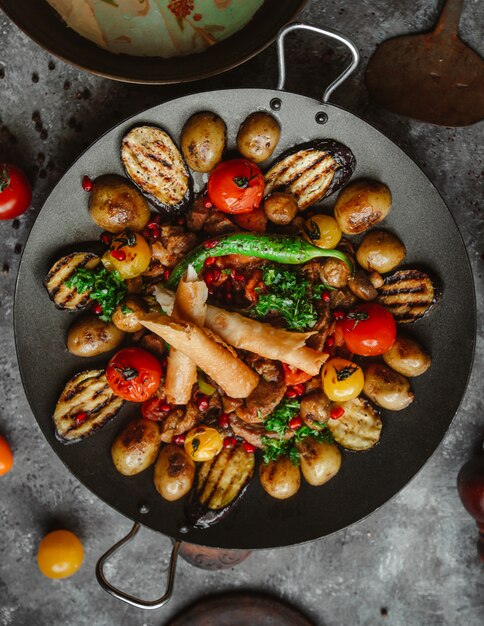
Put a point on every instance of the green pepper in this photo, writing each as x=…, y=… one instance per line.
x=278, y=248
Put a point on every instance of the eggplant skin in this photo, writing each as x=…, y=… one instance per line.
x=64, y=297
x=156, y=166
x=409, y=295
x=311, y=171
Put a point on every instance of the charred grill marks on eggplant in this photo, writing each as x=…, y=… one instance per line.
x=408, y=295
x=65, y=297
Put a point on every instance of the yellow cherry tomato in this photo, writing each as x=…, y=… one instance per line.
x=129, y=254
x=202, y=443
x=322, y=231
x=6, y=456
x=60, y=554
x=342, y=380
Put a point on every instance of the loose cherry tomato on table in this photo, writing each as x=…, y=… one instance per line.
x=6, y=456
x=15, y=191
x=134, y=374
x=236, y=186
x=294, y=376
x=369, y=329
x=60, y=554
x=342, y=380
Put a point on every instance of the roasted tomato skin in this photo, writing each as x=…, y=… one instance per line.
x=15, y=191
x=236, y=186
x=155, y=409
x=129, y=259
x=342, y=379
x=294, y=376
x=134, y=374
x=369, y=329
x=6, y=456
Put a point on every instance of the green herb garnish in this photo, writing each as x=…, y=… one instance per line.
x=278, y=420
x=107, y=288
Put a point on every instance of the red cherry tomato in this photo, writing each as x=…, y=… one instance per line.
x=369, y=329
x=15, y=191
x=6, y=456
x=236, y=186
x=134, y=374
x=294, y=376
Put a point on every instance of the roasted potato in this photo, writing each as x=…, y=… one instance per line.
x=320, y=461
x=407, y=357
x=115, y=204
x=361, y=205
x=280, y=479
x=361, y=286
x=380, y=251
x=174, y=473
x=203, y=139
x=90, y=336
x=136, y=447
x=280, y=208
x=126, y=315
x=387, y=388
x=258, y=136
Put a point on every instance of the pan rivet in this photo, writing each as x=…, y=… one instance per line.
x=143, y=508
x=321, y=117
x=276, y=104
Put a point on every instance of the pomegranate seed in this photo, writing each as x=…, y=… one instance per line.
x=86, y=183
x=248, y=447
x=119, y=255
x=166, y=274
x=202, y=403
x=208, y=277
x=337, y=412
x=210, y=260
x=146, y=233
x=163, y=406
x=239, y=276
x=229, y=442
x=181, y=221
x=179, y=440
x=97, y=309
x=207, y=204
x=338, y=314
x=154, y=230
x=299, y=389
x=106, y=238
x=156, y=218
x=296, y=422
x=223, y=420
x=326, y=296
x=211, y=291
x=228, y=297
x=330, y=342
x=290, y=393
x=210, y=243
x=80, y=417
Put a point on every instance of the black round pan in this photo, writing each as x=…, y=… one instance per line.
x=40, y=22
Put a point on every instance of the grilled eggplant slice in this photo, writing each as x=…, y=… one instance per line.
x=65, y=297
x=359, y=428
x=311, y=171
x=408, y=295
x=220, y=484
x=155, y=165
x=86, y=405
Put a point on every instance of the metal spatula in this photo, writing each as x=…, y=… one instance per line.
x=432, y=77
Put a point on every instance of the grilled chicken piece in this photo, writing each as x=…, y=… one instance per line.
x=315, y=410
x=209, y=219
x=172, y=246
x=359, y=428
x=65, y=297
x=311, y=171
x=86, y=405
x=270, y=371
x=253, y=433
x=155, y=165
x=408, y=295
x=179, y=421
x=261, y=402
x=220, y=484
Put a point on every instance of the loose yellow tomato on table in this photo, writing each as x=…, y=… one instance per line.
x=322, y=231
x=129, y=254
x=60, y=554
x=6, y=456
x=202, y=443
x=342, y=379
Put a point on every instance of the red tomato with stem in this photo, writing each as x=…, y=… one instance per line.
x=236, y=186
x=294, y=376
x=15, y=191
x=369, y=329
x=134, y=374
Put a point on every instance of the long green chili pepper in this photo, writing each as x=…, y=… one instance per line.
x=278, y=248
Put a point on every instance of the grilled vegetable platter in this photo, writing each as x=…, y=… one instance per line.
x=254, y=332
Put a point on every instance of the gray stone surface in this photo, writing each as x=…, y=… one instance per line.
x=414, y=561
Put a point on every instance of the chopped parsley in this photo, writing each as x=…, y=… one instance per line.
x=290, y=295
x=107, y=288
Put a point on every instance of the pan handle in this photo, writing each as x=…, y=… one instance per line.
x=322, y=31
x=126, y=597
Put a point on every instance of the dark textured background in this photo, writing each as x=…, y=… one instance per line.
x=413, y=561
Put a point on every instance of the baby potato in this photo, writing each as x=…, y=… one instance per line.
x=380, y=251
x=203, y=139
x=280, y=208
x=387, y=388
x=407, y=357
x=115, y=204
x=258, y=136
x=90, y=336
x=320, y=461
x=174, y=473
x=280, y=479
x=362, y=204
x=126, y=315
x=136, y=447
